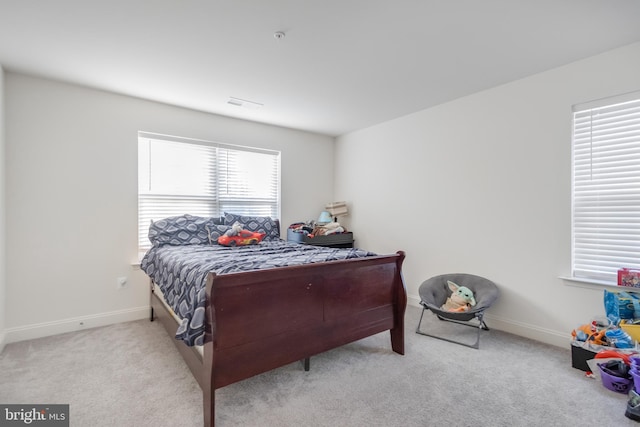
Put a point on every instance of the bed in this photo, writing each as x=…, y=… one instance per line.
x=278, y=303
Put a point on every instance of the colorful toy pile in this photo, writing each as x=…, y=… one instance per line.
x=614, y=341
x=622, y=311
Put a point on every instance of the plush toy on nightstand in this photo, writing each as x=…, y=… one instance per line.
x=461, y=299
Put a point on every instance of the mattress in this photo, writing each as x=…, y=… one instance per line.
x=158, y=292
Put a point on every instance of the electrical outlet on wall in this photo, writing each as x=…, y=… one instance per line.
x=121, y=282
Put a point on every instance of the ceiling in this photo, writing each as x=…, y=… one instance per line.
x=343, y=65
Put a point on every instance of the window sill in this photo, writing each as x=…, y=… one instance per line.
x=136, y=264
x=588, y=283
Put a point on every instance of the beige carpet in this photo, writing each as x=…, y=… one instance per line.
x=111, y=377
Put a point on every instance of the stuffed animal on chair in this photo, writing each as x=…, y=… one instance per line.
x=461, y=299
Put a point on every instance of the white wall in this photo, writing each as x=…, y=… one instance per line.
x=71, y=163
x=478, y=185
x=482, y=185
x=2, y=215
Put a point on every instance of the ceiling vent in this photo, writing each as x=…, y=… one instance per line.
x=244, y=103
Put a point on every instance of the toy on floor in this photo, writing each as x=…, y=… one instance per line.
x=619, y=338
x=590, y=332
x=461, y=299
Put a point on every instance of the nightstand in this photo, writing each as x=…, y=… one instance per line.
x=338, y=240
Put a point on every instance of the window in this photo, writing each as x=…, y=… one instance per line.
x=179, y=176
x=606, y=188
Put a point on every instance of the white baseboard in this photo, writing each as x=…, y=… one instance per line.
x=39, y=330
x=547, y=336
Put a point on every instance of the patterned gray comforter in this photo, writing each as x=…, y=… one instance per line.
x=181, y=272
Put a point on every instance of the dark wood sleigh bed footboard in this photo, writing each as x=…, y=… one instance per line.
x=260, y=320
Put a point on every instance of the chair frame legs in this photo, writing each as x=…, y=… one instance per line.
x=481, y=326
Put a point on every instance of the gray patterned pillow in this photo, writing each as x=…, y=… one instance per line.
x=260, y=224
x=215, y=231
x=182, y=230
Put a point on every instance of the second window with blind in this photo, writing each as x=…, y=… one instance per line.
x=606, y=188
x=179, y=176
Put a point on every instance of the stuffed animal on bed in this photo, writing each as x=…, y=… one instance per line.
x=235, y=229
x=461, y=299
x=238, y=236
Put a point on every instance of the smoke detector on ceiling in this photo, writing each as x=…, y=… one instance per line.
x=279, y=35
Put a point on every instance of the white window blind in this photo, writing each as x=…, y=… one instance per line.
x=606, y=188
x=179, y=176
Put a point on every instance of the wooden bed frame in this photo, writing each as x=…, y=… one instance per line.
x=260, y=320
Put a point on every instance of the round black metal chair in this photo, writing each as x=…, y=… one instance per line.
x=435, y=291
